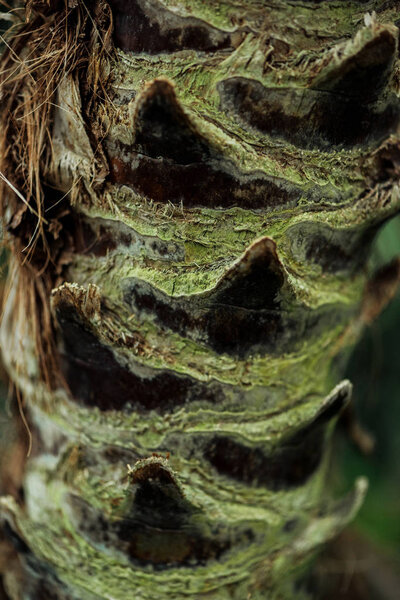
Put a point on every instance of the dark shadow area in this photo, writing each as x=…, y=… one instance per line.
x=364, y=563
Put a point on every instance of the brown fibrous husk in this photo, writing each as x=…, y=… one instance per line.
x=56, y=39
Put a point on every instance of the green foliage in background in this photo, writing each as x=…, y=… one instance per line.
x=374, y=370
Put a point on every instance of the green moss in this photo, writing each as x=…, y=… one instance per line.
x=264, y=398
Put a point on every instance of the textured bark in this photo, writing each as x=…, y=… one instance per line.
x=201, y=191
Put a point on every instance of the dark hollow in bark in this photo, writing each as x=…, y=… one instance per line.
x=148, y=536
x=237, y=326
x=333, y=250
x=364, y=74
x=200, y=184
x=100, y=237
x=96, y=378
x=146, y=26
x=171, y=162
x=327, y=120
x=291, y=464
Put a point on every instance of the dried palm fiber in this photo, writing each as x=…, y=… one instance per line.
x=55, y=40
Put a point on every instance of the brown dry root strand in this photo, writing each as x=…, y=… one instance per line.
x=56, y=40
x=380, y=290
x=208, y=182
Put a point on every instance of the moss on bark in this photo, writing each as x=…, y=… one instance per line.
x=212, y=182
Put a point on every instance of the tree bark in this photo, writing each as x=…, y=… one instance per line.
x=199, y=184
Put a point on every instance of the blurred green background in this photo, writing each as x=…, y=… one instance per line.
x=364, y=562
x=374, y=370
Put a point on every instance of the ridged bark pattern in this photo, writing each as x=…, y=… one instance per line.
x=213, y=209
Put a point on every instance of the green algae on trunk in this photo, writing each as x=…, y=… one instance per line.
x=211, y=180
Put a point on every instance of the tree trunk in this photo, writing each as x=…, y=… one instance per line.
x=199, y=184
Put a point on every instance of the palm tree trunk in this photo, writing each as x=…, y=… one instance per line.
x=199, y=184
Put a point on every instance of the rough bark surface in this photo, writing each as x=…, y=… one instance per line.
x=201, y=182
